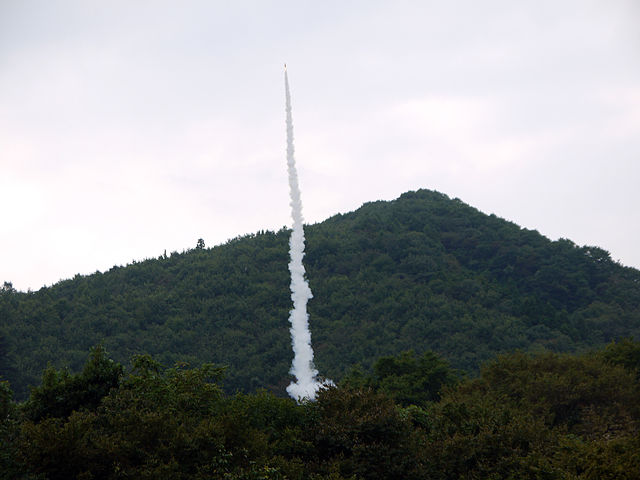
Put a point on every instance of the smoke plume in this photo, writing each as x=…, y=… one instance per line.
x=306, y=384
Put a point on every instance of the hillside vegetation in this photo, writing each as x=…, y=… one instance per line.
x=422, y=272
x=546, y=416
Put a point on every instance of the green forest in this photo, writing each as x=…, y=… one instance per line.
x=525, y=416
x=422, y=273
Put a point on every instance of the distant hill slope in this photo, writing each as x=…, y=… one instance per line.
x=420, y=272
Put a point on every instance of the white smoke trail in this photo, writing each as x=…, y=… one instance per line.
x=306, y=384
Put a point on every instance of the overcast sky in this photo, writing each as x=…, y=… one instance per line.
x=128, y=128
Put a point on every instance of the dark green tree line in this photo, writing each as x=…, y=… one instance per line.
x=545, y=416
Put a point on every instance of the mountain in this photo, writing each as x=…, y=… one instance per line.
x=422, y=272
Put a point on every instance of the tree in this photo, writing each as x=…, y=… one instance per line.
x=9, y=431
x=626, y=352
x=407, y=378
x=411, y=379
x=62, y=393
x=361, y=433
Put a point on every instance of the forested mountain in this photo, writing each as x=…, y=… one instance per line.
x=422, y=272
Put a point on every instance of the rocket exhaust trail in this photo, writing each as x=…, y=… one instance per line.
x=306, y=384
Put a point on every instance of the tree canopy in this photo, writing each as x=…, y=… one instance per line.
x=526, y=416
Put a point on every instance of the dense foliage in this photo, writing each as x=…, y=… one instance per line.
x=544, y=416
x=423, y=272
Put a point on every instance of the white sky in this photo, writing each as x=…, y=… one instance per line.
x=131, y=127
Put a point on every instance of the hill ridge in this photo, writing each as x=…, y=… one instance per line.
x=423, y=271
